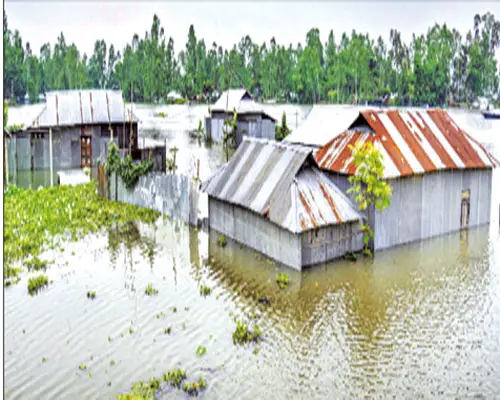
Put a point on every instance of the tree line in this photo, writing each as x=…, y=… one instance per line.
x=439, y=68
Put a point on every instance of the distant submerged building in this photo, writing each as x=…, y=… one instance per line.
x=252, y=120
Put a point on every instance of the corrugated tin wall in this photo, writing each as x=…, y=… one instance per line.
x=264, y=129
x=430, y=205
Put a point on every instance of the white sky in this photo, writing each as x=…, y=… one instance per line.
x=227, y=22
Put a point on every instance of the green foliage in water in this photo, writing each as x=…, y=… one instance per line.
x=150, y=290
x=91, y=295
x=127, y=169
x=205, y=290
x=282, y=280
x=37, y=283
x=243, y=334
x=193, y=388
x=35, y=264
x=175, y=377
x=222, y=241
x=161, y=114
x=34, y=218
x=282, y=131
x=82, y=367
x=167, y=331
x=200, y=351
x=171, y=162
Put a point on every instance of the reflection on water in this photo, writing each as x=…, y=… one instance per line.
x=420, y=321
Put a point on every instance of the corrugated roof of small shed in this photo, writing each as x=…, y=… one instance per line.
x=78, y=107
x=323, y=123
x=242, y=101
x=264, y=177
x=411, y=142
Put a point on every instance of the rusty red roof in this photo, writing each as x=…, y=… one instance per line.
x=411, y=142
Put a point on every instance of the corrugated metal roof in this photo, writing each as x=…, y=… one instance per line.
x=241, y=100
x=411, y=142
x=24, y=115
x=323, y=123
x=78, y=107
x=264, y=177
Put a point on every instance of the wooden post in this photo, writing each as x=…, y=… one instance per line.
x=198, y=169
x=50, y=156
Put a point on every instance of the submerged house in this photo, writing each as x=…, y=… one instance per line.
x=252, y=120
x=441, y=177
x=273, y=198
x=82, y=123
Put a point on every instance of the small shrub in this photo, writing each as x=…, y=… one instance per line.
x=193, y=388
x=243, y=335
x=91, y=295
x=205, y=290
x=150, y=290
x=37, y=283
x=175, y=377
x=200, y=351
x=282, y=280
x=222, y=241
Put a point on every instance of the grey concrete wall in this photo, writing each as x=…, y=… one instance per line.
x=430, y=205
x=325, y=244
x=255, y=232
x=173, y=195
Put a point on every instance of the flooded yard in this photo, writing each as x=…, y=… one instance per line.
x=418, y=321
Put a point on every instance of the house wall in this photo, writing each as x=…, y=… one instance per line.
x=430, y=205
x=254, y=127
x=255, y=232
x=331, y=242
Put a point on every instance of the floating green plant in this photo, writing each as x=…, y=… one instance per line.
x=205, y=290
x=131, y=331
x=193, y=388
x=112, y=362
x=175, y=377
x=160, y=315
x=82, y=367
x=243, y=334
x=91, y=295
x=174, y=309
x=44, y=359
x=222, y=241
x=109, y=383
x=200, y=351
x=35, y=264
x=282, y=280
x=167, y=331
x=150, y=290
x=350, y=257
x=37, y=283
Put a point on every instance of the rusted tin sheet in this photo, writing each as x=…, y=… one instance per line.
x=81, y=107
x=264, y=176
x=411, y=142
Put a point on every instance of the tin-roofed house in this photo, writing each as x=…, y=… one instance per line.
x=82, y=123
x=441, y=177
x=272, y=197
x=252, y=119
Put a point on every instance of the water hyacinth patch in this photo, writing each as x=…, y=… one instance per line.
x=175, y=377
x=243, y=334
x=33, y=218
x=37, y=283
x=150, y=290
x=222, y=241
x=282, y=280
x=200, y=351
x=205, y=290
x=91, y=295
x=193, y=388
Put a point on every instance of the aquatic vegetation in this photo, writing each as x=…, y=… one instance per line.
x=33, y=218
x=35, y=264
x=131, y=331
x=37, y=283
x=161, y=114
x=127, y=169
x=350, y=257
x=205, y=290
x=160, y=315
x=174, y=309
x=44, y=359
x=142, y=391
x=167, y=331
x=150, y=290
x=175, y=377
x=282, y=280
x=112, y=362
x=200, y=351
x=193, y=388
x=82, y=367
x=222, y=241
x=91, y=295
x=243, y=335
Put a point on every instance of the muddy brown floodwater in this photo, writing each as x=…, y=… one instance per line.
x=417, y=321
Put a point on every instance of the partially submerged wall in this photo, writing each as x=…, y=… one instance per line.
x=257, y=127
x=176, y=196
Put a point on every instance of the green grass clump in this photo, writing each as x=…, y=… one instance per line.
x=200, y=351
x=37, y=283
x=193, y=388
x=150, y=290
x=91, y=295
x=282, y=280
x=167, y=331
x=161, y=114
x=35, y=264
x=175, y=377
x=222, y=241
x=205, y=290
x=82, y=367
x=243, y=334
x=32, y=218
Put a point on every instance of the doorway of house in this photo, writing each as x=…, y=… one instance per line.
x=86, y=151
x=465, y=213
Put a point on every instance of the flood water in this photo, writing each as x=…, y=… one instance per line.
x=417, y=321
